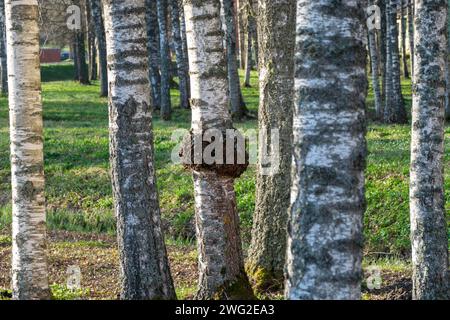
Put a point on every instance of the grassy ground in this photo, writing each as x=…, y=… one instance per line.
x=79, y=197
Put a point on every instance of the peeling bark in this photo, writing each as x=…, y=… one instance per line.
x=427, y=203
x=276, y=21
x=144, y=265
x=29, y=262
x=325, y=233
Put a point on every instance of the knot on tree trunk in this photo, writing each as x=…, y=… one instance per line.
x=221, y=151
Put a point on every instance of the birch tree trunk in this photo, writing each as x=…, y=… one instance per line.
x=164, y=59
x=181, y=61
x=80, y=44
x=185, y=48
x=411, y=34
x=403, y=27
x=93, y=72
x=394, y=110
x=236, y=99
x=241, y=27
x=221, y=263
x=144, y=268
x=383, y=53
x=153, y=52
x=325, y=234
x=268, y=247
x=99, y=29
x=3, y=59
x=29, y=262
x=427, y=203
x=373, y=51
x=249, y=33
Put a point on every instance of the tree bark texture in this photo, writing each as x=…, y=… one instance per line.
x=276, y=20
x=144, y=265
x=164, y=59
x=427, y=203
x=29, y=256
x=325, y=233
x=221, y=262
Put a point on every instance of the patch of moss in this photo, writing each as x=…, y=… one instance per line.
x=264, y=280
x=5, y=294
x=240, y=289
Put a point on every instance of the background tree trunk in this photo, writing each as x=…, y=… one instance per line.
x=403, y=26
x=428, y=221
x=383, y=54
x=144, y=268
x=411, y=34
x=325, y=235
x=373, y=51
x=29, y=263
x=181, y=61
x=153, y=52
x=164, y=59
x=185, y=48
x=80, y=47
x=394, y=110
x=250, y=20
x=276, y=66
x=3, y=60
x=221, y=262
x=93, y=72
x=236, y=99
x=99, y=28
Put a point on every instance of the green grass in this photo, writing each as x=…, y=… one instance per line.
x=78, y=190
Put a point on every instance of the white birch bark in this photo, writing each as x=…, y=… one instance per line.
x=427, y=202
x=221, y=263
x=325, y=234
x=29, y=263
x=144, y=265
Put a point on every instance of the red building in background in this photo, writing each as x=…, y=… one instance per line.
x=50, y=55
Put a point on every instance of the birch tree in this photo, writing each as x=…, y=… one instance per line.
x=99, y=29
x=164, y=60
x=144, y=268
x=153, y=52
x=221, y=263
x=181, y=61
x=325, y=234
x=373, y=51
x=427, y=200
x=394, y=110
x=3, y=60
x=237, y=103
x=79, y=37
x=411, y=33
x=276, y=21
x=29, y=262
x=403, y=38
